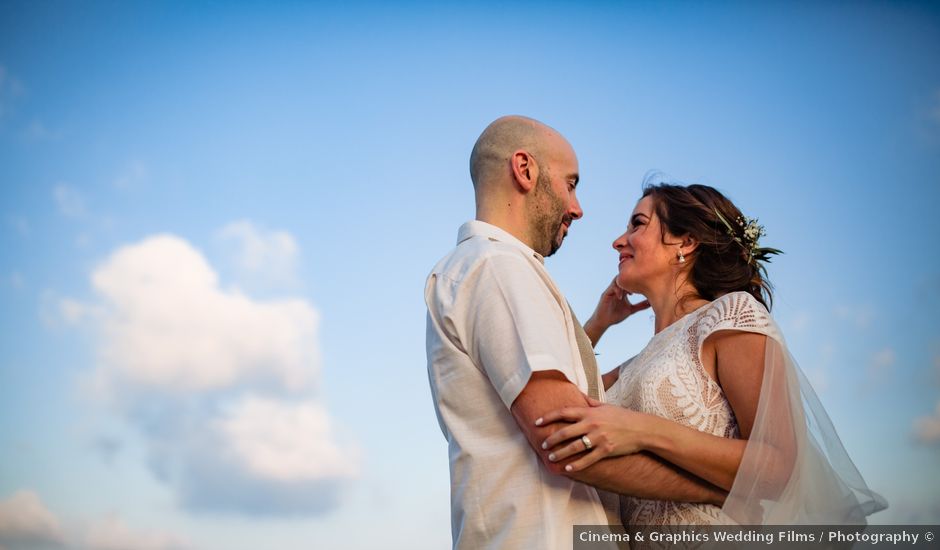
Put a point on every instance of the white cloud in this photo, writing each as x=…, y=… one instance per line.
x=861, y=316
x=107, y=447
x=263, y=434
x=168, y=324
x=880, y=366
x=19, y=224
x=261, y=255
x=133, y=175
x=10, y=89
x=25, y=522
x=17, y=280
x=56, y=311
x=73, y=311
x=883, y=360
x=113, y=534
x=800, y=321
x=219, y=385
x=927, y=428
x=70, y=202
x=37, y=131
x=818, y=372
x=24, y=518
x=50, y=309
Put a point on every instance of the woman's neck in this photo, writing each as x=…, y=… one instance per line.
x=672, y=302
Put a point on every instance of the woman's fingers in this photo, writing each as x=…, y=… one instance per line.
x=564, y=434
x=568, y=414
x=589, y=455
x=585, y=461
x=576, y=446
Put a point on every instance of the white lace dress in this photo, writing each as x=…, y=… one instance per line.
x=667, y=379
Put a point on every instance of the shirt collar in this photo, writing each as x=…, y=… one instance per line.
x=477, y=228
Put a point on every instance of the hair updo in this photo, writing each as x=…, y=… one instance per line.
x=721, y=263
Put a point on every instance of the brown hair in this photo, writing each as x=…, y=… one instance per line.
x=720, y=263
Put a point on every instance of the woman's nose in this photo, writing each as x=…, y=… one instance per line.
x=620, y=242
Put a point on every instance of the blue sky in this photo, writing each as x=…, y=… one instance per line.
x=218, y=217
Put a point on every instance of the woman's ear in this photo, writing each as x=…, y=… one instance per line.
x=689, y=244
x=525, y=170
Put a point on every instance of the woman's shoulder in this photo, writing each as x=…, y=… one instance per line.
x=735, y=311
x=739, y=302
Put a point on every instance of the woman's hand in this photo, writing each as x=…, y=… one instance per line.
x=613, y=307
x=611, y=431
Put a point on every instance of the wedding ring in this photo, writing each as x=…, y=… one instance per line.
x=587, y=442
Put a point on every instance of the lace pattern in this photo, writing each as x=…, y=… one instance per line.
x=668, y=379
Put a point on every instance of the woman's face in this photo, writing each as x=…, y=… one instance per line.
x=645, y=261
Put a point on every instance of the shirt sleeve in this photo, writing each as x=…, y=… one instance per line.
x=737, y=311
x=514, y=325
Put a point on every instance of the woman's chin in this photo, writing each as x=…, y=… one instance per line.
x=626, y=284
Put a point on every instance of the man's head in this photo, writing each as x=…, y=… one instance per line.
x=524, y=176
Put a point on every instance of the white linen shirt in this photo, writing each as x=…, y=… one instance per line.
x=495, y=317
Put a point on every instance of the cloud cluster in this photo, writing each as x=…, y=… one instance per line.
x=263, y=434
x=133, y=175
x=113, y=534
x=69, y=201
x=26, y=522
x=24, y=519
x=263, y=257
x=221, y=386
x=168, y=325
x=10, y=89
x=859, y=315
x=882, y=362
x=927, y=428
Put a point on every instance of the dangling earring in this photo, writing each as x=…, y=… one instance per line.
x=681, y=257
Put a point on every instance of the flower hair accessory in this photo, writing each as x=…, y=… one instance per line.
x=748, y=234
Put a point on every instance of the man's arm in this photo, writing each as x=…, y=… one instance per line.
x=641, y=475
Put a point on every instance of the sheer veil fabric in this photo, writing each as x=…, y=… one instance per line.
x=795, y=469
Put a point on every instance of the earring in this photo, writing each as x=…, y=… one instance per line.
x=681, y=257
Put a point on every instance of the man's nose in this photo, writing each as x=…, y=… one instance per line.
x=575, y=210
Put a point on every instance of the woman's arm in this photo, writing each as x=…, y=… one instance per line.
x=738, y=360
x=611, y=377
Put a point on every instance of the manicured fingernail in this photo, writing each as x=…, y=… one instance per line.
x=552, y=457
x=545, y=444
x=538, y=421
x=568, y=468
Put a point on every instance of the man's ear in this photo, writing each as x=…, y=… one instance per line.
x=525, y=170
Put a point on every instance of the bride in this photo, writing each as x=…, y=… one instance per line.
x=715, y=391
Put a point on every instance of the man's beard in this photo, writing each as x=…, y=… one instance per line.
x=548, y=216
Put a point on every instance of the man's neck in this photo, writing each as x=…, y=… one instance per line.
x=508, y=223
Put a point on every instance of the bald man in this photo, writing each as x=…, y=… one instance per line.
x=504, y=348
